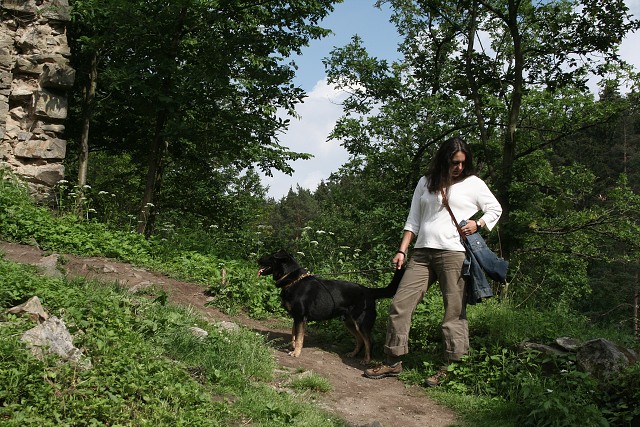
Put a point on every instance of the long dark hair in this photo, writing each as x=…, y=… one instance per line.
x=438, y=175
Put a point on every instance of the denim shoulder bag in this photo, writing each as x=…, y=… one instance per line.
x=479, y=260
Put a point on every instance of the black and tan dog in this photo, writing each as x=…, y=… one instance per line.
x=310, y=298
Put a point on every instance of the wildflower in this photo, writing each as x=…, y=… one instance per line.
x=314, y=242
x=151, y=205
x=86, y=186
x=92, y=210
x=321, y=232
x=345, y=247
x=63, y=181
x=102, y=193
x=300, y=253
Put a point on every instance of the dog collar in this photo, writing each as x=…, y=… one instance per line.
x=295, y=281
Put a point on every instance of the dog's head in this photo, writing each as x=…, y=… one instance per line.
x=278, y=265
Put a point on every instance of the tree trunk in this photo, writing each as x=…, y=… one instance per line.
x=471, y=77
x=159, y=145
x=510, y=140
x=87, y=112
x=635, y=308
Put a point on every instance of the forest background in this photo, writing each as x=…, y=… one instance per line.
x=177, y=105
x=182, y=109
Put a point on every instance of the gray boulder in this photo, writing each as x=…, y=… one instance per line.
x=602, y=358
x=52, y=337
x=599, y=357
x=32, y=308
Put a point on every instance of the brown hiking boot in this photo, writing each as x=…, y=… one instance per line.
x=436, y=379
x=383, y=371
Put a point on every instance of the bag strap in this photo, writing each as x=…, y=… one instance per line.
x=445, y=202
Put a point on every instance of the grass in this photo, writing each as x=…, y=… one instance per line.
x=312, y=382
x=478, y=411
x=147, y=367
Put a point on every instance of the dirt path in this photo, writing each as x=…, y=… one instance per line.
x=358, y=400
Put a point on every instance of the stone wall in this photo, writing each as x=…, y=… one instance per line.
x=35, y=75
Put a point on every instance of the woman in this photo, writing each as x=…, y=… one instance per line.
x=438, y=253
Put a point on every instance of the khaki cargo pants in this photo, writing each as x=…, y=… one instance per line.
x=423, y=269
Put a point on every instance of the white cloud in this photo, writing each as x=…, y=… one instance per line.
x=319, y=113
x=629, y=49
x=321, y=110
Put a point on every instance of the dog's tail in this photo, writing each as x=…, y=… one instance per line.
x=391, y=288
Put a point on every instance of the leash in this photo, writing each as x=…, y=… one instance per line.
x=373, y=270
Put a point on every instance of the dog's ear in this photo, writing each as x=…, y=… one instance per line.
x=282, y=255
x=286, y=261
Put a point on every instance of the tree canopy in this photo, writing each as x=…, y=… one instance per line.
x=193, y=81
x=183, y=99
x=515, y=79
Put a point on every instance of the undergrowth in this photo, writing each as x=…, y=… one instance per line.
x=148, y=369
x=497, y=384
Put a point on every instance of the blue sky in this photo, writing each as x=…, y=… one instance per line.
x=349, y=18
x=322, y=108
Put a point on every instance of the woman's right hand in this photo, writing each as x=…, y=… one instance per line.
x=399, y=259
x=401, y=255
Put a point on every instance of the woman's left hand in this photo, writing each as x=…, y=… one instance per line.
x=470, y=227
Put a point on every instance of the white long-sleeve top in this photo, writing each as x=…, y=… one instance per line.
x=430, y=221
